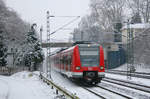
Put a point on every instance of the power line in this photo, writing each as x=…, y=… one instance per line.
x=65, y=25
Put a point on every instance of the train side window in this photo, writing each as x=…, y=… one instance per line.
x=69, y=60
x=64, y=60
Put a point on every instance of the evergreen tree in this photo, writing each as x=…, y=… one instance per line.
x=33, y=54
x=3, y=51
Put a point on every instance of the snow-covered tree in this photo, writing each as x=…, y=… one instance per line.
x=105, y=18
x=108, y=12
x=142, y=7
x=33, y=55
x=13, y=28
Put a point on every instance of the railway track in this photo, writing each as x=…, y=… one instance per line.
x=139, y=87
x=93, y=92
x=122, y=95
x=135, y=74
x=108, y=92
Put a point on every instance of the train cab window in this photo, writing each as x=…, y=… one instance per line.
x=89, y=55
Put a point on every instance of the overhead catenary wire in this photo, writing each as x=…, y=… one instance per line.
x=65, y=25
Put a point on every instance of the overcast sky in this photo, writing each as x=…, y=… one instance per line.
x=34, y=11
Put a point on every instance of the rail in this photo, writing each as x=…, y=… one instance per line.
x=114, y=92
x=94, y=93
x=139, y=87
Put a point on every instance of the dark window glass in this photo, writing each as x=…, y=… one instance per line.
x=89, y=55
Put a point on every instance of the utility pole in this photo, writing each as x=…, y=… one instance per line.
x=48, y=63
x=130, y=51
x=48, y=48
x=41, y=30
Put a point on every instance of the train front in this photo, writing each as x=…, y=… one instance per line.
x=89, y=63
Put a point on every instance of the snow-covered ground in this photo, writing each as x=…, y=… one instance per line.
x=24, y=85
x=27, y=85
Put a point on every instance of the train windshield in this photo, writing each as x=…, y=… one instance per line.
x=89, y=55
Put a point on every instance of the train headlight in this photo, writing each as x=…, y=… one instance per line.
x=101, y=67
x=77, y=68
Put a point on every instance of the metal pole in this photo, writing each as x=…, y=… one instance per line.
x=41, y=30
x=48, y=63
x=130, y=52
x=49, y=52
x=48, y=49
x=47, y=42
x=13, y=62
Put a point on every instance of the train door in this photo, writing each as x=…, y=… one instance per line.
x=69, y=62
x=61, y=63
x=64, y=62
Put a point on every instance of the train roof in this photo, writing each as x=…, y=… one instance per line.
x=78, y=43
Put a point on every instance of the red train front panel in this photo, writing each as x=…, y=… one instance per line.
x=83, y=61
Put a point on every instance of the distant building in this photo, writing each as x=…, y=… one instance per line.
x=135, y=28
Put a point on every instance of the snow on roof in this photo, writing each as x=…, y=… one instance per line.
x=138, y=26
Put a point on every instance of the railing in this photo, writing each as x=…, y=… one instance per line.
x=63, y=91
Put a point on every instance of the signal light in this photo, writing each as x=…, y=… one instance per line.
x=101, y=67
x=77, y=68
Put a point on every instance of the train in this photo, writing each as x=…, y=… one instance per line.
x=83, y=62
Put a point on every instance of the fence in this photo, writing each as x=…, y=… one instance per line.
x=12, y=70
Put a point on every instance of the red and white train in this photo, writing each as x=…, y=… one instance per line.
x=82, y=62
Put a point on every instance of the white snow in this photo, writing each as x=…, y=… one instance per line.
x=24, y=85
